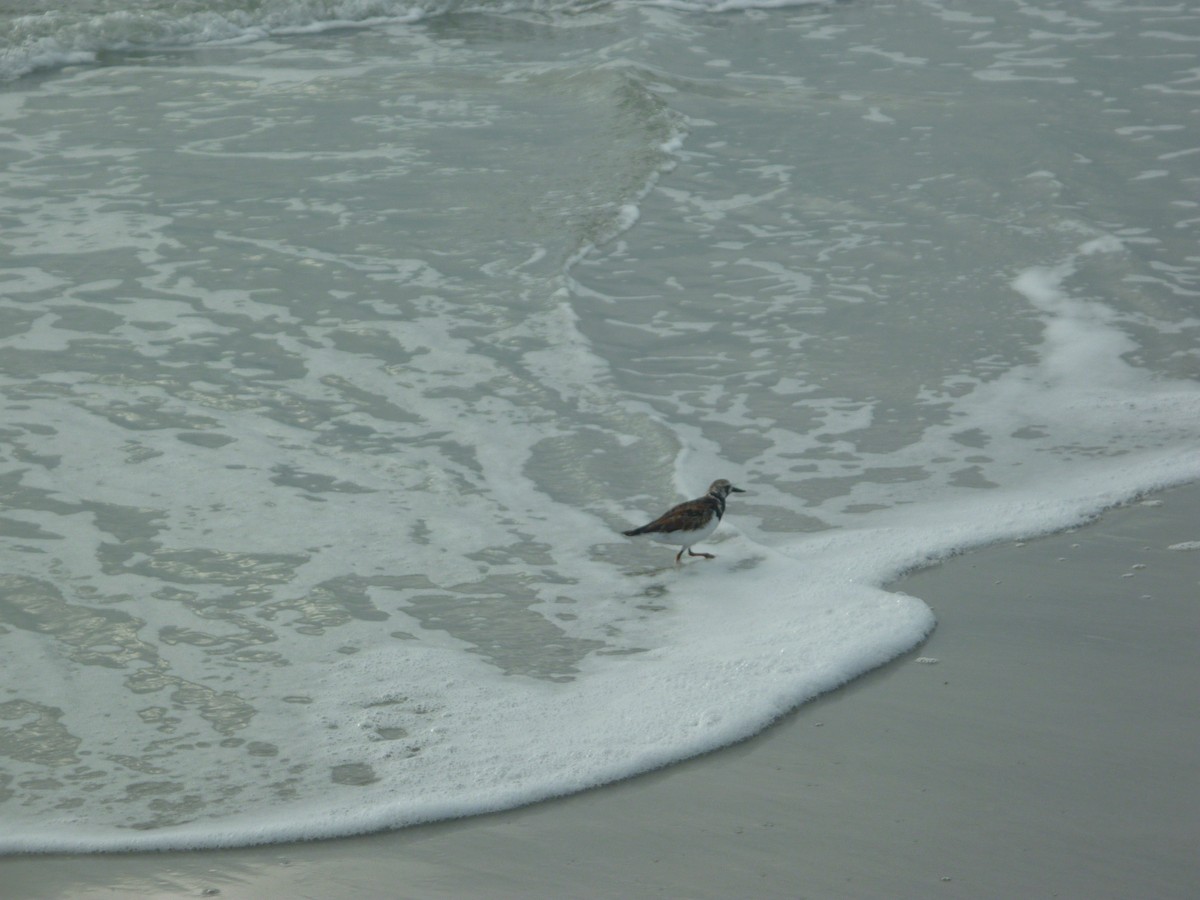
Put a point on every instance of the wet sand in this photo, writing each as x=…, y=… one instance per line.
x=1041, y=743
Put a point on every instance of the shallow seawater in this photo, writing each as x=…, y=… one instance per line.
x=333, y=361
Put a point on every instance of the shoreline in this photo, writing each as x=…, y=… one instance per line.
x=1039, y=742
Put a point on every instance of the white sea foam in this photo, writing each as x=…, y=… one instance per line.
x=315, y=461
x=474, y=740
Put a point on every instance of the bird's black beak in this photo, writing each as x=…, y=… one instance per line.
x=736, y=490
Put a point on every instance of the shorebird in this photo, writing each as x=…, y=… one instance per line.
x=690, y=522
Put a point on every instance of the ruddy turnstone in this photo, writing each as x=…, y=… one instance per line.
x=690, y=522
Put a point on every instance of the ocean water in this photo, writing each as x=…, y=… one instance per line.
x=340, y=340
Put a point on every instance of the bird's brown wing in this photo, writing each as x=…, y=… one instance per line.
x=686, y=516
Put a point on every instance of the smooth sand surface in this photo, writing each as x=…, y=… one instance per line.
x=1050, y=751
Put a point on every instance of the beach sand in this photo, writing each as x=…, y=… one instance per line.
x=1041, y=743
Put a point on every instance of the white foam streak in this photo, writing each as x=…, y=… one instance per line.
x=75, y=37
x=720, y=6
